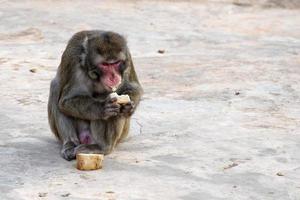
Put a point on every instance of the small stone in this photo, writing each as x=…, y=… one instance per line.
x=42, y=194
x=66, y=195
x=32, y=70
x=280, y=174
x=110, y=192
x=237, y=93
x=230, y=166
x=161, y=51
x=234, y=186
x=85, y=176
x=243, y=4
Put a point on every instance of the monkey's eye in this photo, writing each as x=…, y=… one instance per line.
x=122, y=66
x=113, y=64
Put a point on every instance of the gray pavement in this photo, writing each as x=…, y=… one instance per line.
x=220, y=118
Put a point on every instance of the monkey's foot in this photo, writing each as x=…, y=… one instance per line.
x=68, y=151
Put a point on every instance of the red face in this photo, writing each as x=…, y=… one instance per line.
x=111, y=76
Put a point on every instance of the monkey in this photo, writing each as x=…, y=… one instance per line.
x=81, y=113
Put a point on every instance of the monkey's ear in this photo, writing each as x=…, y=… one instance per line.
x=84, y=51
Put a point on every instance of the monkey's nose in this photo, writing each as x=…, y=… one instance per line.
x=112, y=78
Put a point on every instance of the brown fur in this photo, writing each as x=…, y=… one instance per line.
x=78, y=100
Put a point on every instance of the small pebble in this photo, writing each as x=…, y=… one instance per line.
x=279, y=174
x=66, y=195
x=161, y=51
x=42, y=194
x=32, y=70
x=230, y=166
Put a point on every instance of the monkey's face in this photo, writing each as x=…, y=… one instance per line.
x=111, y=76
x=108, y=54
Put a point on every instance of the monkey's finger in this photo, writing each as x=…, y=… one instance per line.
x=116, y=110
x=110, y=114
x=127, y=113
x=131, y=103
x=112, y=100
x=127, y=107
x=110, y=111
x=127, y=110
x=132, y=110
x=114, y=106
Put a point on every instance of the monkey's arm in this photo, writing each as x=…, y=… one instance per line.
x=85, y=107
x=133, y=89
x=81, y=107
x=131, y=85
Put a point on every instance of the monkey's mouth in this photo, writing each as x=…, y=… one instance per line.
x=111, y=76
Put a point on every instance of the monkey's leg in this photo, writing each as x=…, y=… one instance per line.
x=67, y=133
x=52, y=105
x=125, y=130
x=107, y=133
x=118, y=127
x=61, y=125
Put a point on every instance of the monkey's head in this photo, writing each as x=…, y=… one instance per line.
x=107, y=59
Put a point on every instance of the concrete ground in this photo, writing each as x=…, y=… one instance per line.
x=220, y=118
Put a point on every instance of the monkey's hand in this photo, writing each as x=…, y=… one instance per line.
x=127, y=109
x=111, y=108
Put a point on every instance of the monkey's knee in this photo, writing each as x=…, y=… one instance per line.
x=68, y=150
x=66, y=129
x=125, y=131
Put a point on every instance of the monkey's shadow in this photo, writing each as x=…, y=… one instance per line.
x=38, y=151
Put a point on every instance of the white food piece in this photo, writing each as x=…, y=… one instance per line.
x=89, y=161
x=121, y=99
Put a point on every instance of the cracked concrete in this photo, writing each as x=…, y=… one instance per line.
x=219, y=119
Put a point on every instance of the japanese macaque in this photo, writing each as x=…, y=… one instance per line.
x=81, y=112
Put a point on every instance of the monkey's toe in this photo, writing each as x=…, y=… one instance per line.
x=68, y=154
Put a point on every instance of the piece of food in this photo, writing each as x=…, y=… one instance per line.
x=89, y=161
x=121, y=99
